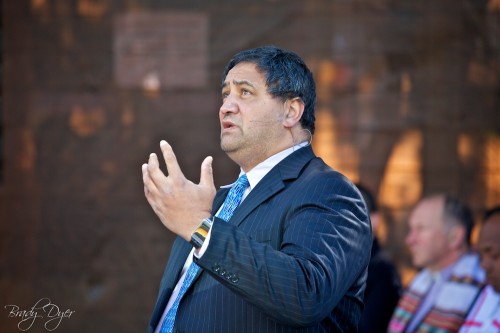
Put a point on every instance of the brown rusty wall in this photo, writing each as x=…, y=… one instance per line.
x=408, y=103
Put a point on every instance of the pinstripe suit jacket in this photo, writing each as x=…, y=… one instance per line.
x=292, y=258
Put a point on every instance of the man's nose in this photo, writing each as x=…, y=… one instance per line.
x=409, y=238
x=228, y=105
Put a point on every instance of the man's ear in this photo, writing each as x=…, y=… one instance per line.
x=294, y=108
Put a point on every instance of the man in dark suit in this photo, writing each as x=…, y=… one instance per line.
x=288, y=252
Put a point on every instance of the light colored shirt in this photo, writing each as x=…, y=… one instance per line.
x=484, y=317
x=254, y=177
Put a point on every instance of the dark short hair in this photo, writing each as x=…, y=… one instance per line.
x=371, y=204
x=456, y=212
x=287, y=76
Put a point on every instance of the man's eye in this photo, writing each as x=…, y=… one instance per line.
x=245, y=92
x=224, y=95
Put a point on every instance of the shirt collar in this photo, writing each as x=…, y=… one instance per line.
x=260, y=170
x=443, y=274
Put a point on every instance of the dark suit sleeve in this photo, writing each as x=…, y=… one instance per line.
x=323, y=241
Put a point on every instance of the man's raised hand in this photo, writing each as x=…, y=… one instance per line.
x=180, y=204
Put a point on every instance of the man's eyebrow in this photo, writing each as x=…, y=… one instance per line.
x=238, y=83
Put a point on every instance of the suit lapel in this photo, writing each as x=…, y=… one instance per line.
x=273, y=182
x=219, y=200
x=180, y=251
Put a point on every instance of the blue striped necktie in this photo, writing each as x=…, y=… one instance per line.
x=232, y=201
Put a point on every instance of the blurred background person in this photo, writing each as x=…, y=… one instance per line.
x=439, y=298
x=485, y=314
x=383, y=285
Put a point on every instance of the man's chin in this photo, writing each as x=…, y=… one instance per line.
x=228, y=147
x=418, y=264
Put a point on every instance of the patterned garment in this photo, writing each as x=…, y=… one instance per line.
x=453, y=300
x=485, y=315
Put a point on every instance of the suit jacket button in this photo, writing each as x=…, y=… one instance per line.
x=234, y=279
x=216, y=268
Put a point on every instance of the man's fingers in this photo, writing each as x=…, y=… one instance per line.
x=157, y=176
x=207, y=176
x=149, y=185
x=173, y=167
x=153, y=162
x=144, y=169
x=145, y=178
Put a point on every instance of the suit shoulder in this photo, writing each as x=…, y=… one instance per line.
x=318, y=171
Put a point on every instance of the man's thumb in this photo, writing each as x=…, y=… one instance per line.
x=207, y=176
